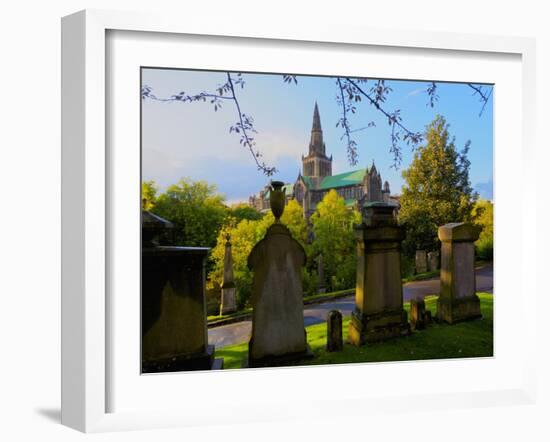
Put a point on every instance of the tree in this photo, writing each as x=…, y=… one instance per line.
x=437, y=189
x=483, y=217
x=332, y=224
x=243, y=237
x=244, y=211
x=196, y=209
x=149, y=191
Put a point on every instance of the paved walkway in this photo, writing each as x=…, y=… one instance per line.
x=313, y=314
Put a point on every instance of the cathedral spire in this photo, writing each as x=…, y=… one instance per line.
x=316, y=145
x=316, y=163
x=316, y=119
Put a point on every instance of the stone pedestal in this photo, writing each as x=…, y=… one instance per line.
x=278, y=333
x=335, y=340
x=229, y=292
x=173, y=305
x=458, y=300
x=421, y=261
x=433, y=261
x=379, y=312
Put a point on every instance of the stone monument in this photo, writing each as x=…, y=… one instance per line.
x=228, y=301
x=433, y=261
x=421, y=261
x=378, y=312
x=173, y=304
x=458, y=300
x=335, y=340
x=278, y=333
x=320, y=275
x=420, y=317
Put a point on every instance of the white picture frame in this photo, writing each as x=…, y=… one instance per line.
x=86, y=316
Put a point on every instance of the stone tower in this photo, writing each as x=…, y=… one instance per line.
x=374, y=185
x=316, y=164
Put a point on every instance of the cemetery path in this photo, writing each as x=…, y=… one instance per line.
x=239, y=332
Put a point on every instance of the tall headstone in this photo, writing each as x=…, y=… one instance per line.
x=378, y=312
x=229, y=292
x=320, y=275
x=173, y=312
x=335, y=341
x=458, y=300
x=421, y=261
x=278, y=333
x=433, y=261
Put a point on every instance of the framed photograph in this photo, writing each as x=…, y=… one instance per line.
x=257, y=211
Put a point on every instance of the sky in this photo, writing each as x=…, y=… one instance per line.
x=192, y=140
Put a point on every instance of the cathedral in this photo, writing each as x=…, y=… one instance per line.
x=357, y=187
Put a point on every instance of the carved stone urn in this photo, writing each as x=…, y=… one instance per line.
x=277, y=199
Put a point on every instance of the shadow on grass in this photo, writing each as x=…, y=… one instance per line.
x=439, y=341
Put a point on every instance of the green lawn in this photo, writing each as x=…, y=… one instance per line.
x=421, y=276
x=463, y=340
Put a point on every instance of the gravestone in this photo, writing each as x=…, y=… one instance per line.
x=421, y=261
x=433, y=261
x=378, y=312
x=335, y=340
x=320, y=275
x=458, y=300
x=229, y=292
x=173, y=325
x=420, y=317
x=278, y=332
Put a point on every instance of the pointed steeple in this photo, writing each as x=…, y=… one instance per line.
x=316, y=163
x=316, y=119
x=373, y=168
x=316, y=145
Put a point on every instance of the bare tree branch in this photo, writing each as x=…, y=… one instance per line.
x=244, y=126
x=483, y=96
x=344, y=122
x=378, y=95
x=432, y=94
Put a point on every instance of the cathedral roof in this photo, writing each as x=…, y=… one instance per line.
x=343, y=179
x=288, y=188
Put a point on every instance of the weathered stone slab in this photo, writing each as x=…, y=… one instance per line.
x=458, y=300
x=335, y=341
x=379, y=312
x=173, y=304
x=278, y=333
x=174, y=330
x=421, y=261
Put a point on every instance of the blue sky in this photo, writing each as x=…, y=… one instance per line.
x=191, y=140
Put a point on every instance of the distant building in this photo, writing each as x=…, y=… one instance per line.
x=357, y=187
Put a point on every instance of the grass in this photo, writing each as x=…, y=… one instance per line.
x=243, y=312
x=438, y=341
x=420, y=276
x=327, y=296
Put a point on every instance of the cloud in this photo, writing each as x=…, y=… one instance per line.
x=416, y=92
